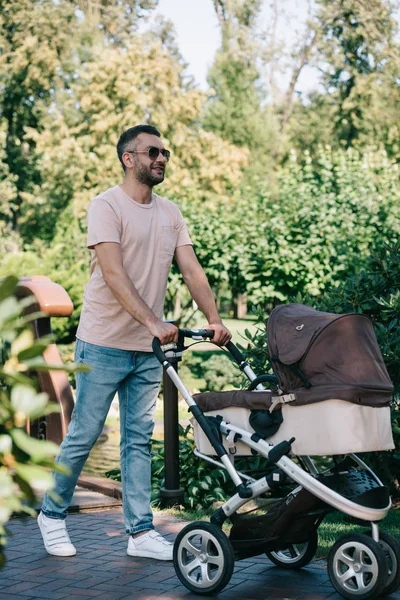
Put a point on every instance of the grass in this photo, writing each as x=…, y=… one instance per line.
x=334, y=526
x=237, y=327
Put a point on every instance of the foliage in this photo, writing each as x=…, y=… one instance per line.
x=235, y=108
x=326, y=216
x=35, y=41
x=220, y=373
x=85, y=125
x=24, y=461
x=203, y=485
x=363, y=62
x=358, y=59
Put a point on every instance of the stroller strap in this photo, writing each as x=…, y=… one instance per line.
x=284, y=399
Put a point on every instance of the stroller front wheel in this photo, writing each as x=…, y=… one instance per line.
x=295, y=556
x=357, y=567
x=391, y=548
x=203, y=558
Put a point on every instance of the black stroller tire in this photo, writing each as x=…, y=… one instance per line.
x=363, y=561
x=391, y=548
x=295, y=556
x=203, y=558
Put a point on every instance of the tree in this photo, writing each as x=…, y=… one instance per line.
x=35, y=48
x=360, y=59
x=42, y=44
x=236, y=109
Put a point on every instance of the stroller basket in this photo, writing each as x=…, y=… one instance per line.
x=286, y=521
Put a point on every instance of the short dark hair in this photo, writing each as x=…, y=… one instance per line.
x=131, y=134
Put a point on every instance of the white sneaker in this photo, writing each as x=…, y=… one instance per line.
x=150, y=545
x=55, y=536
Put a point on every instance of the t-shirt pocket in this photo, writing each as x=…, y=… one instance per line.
x=169, y=238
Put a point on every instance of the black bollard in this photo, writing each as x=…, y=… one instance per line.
x=172, y=493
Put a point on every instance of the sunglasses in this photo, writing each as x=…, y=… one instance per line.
x=153, y=152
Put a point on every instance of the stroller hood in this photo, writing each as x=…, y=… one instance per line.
x=319, y=356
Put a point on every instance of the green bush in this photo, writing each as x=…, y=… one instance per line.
x=203, y=484
x=219, y=373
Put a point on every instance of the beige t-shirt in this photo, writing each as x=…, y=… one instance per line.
x=148, y=234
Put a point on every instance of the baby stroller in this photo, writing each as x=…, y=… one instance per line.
x=330, y=397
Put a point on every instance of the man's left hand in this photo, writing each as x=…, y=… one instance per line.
x=221, y=336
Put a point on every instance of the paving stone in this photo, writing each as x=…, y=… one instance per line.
x=102, y=570
x=5, y=596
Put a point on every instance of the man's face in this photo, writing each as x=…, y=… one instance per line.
x=149, y=171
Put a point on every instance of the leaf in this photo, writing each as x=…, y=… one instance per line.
x=25, y=489
x=6, y=483
x=36, y=449
x=9, y=309
x=34, y=350
x=5, y=444
x=37, y=477
x=24, y=399
x=22, y=342
x=60, y=468
x=8, y=287
x=5, y=513
x=49, y=409
x=39, y=364
x=15, y=377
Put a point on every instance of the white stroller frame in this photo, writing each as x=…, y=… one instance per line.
x=380, y=550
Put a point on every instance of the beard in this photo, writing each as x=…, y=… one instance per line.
x=144, y=175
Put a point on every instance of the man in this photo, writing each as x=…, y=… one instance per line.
x=133, y=235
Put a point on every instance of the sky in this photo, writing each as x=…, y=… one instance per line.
x=198, y=33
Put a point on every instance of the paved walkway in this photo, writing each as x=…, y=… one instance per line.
x=102, y=570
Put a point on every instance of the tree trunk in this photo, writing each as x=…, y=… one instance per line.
x=177, y=304
x=240, y=306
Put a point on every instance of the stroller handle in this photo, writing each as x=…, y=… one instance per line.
x=196, y=334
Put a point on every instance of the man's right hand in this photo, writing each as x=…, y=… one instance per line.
x=165, y=332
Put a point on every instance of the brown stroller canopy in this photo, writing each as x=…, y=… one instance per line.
x=321, y=356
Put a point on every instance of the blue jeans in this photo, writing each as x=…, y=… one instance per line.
x=136, y=377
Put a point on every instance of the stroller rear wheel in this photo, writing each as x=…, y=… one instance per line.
x=357, y=567
x=391, y=548
x=203, y=558
x=295, y=556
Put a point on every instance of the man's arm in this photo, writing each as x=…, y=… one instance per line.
x=110, y=260
x=199, y=288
